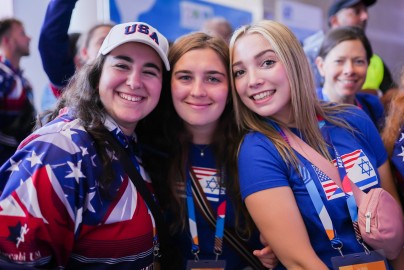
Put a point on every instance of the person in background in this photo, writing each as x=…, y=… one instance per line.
x=48, y=99
x=343, y=61
x=54, y=47
x=273, y=95
x=66, y=200
x=17, y=111
x=218, y=27
x=351, y=13
x=197, y=185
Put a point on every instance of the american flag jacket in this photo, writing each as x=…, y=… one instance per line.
x=52, y=210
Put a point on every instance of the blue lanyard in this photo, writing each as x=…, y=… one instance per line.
x=220, y=216
x=315, y=196
x=350, y=199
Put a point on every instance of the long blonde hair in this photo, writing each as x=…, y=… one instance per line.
x=306, y=108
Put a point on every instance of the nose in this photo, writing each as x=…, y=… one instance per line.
x=348, y=67
x=198, y=89
x=254, y=79
x=134, y=79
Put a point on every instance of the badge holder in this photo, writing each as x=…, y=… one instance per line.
x=374, y=260
x=206, y=264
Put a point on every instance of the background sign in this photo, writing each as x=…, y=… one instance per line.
x=174, y=18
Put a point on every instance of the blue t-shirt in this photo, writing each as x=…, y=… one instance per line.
x=261, y=167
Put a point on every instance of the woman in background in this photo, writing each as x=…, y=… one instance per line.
x=343, y=61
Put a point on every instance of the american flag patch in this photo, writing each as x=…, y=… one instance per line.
x=331, y=190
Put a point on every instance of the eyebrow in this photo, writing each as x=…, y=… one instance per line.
x=210, y=72
x=256, y=56
x=130, y=60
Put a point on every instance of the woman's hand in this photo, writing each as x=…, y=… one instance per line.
x=266, y=255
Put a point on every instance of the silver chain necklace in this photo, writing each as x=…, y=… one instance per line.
x=202, y=149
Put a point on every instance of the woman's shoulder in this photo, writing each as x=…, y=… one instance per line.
x=349, y=113
x=369, y=98
x=256, y=137
x=64, y=132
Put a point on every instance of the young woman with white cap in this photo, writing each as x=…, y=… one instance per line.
x=66, y=199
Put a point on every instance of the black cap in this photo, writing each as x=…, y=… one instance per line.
x=340, y=4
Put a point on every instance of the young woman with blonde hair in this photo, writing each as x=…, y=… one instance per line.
x=274, y=95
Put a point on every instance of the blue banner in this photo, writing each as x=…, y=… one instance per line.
x=174, y=18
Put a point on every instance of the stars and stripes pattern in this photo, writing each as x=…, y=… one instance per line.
x=331, y=190
x=52, y=207
x=397, y=159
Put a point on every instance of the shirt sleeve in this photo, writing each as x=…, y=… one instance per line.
x=368, y=134
x=53, y=44
x=260, y=165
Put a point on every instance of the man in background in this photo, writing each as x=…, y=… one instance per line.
x=218, y=27
x=350, y=13
x=17, y=112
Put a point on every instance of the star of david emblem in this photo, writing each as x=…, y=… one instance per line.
x=365, y=167
x=212, y=184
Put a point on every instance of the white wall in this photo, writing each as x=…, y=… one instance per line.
x=32, y=13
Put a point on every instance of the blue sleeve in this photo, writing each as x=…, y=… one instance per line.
x=368, y=134
x=54, y=42
x=397, y=156
x=259, y=165
x=372, y=105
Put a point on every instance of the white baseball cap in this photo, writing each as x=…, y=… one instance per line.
x=136, y=32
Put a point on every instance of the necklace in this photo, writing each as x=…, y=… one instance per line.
x=202, y=148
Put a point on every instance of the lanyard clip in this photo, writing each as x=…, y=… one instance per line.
x=218, y=252
x=337, y=244
x=156, y=248
x=195, y=251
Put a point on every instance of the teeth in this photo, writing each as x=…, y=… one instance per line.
x=261, y=95
x=348, y=81
x=130, y=98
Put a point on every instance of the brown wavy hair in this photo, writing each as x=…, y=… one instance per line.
x=175, y=139
x=82, y=98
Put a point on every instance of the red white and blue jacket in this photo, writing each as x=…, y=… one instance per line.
x=17, y=112
x=53, y=212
